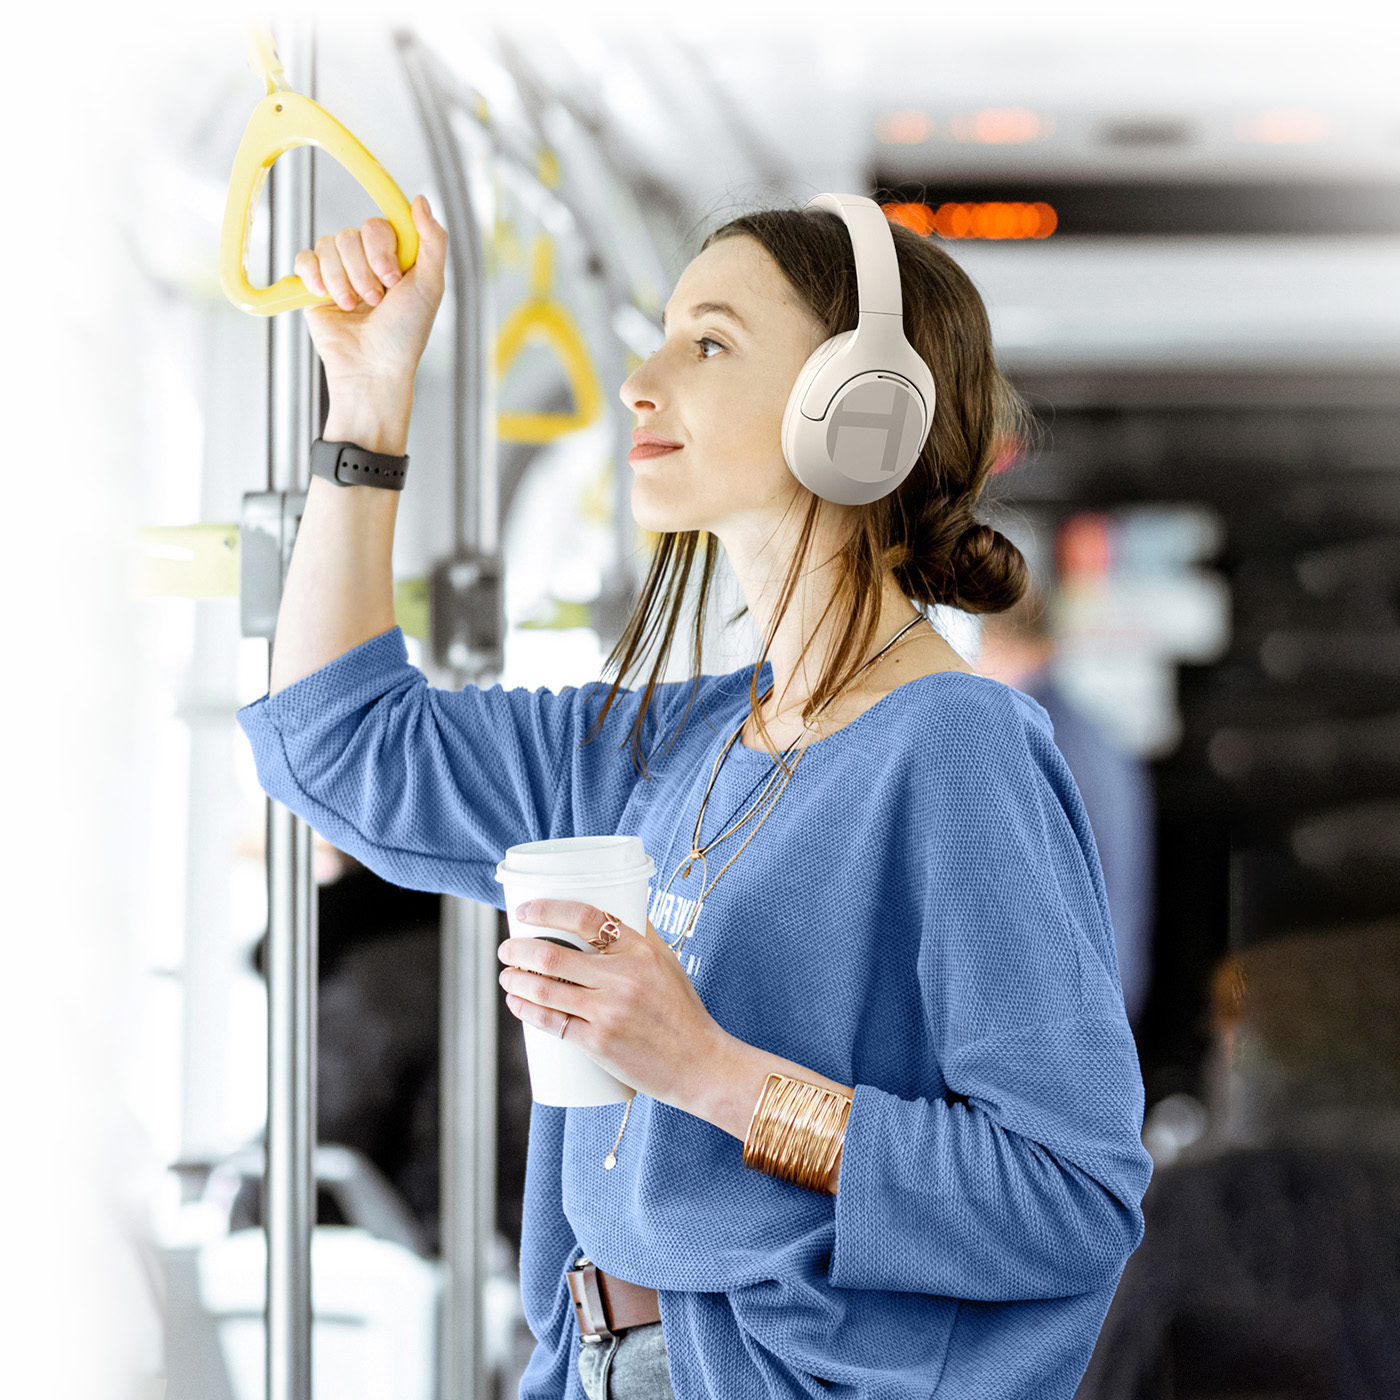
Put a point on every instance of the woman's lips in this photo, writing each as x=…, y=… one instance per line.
x=650, y=449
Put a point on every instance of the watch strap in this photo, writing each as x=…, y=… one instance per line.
x=348, y=464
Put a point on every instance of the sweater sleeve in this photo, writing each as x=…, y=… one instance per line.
x=1019, y=1174
x=428, y=786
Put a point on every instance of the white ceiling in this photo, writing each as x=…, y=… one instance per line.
x=814, y=98
x=720, y=115
x=725, y=117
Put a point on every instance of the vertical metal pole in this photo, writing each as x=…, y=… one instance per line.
x=475, y=484
x=289, y=1196
x=471, y=931
x=470, y=937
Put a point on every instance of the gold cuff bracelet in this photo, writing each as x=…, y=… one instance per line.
x=796, y=1131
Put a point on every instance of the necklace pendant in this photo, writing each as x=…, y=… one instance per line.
x=610, y=1161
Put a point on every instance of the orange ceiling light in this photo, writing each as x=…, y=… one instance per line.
x=918, y=217
x=992, y=219
x=1001, y=126
x=1010, y=448
x=908, y=128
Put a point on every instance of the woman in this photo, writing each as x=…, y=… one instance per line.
x=915, y=936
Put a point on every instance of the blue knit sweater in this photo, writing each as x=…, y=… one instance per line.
x=922, y=917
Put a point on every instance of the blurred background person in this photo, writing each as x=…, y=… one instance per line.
x=1268, y=1267
x=1018, y=649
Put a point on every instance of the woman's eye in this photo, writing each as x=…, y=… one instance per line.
x=708, y=340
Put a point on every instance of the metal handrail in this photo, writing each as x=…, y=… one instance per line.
x=634, y=292
x=469, y=643
x=473, y=385
x=366, y=1197
x=289, y=1186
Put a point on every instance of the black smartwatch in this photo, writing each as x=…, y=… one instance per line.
x=348, y=465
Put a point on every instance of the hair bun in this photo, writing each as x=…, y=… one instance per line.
x=991, y=573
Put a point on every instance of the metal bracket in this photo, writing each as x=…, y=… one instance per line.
x=267, y=532
x=466, y=612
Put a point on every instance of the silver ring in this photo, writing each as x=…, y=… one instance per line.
x=568, y=1016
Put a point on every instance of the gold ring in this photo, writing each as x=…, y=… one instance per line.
x=608, y=933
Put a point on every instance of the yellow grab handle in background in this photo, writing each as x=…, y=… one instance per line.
x=538, y=318
x=281, y=121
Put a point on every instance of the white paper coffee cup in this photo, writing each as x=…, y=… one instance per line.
x=609, y=872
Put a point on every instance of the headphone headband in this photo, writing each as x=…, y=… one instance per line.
x=877, y=267
x=861, y=407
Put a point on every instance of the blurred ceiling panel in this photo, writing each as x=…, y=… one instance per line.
x=1275, y=302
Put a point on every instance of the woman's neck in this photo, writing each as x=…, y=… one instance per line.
x=760, y=562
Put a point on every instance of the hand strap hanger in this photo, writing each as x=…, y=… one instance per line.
x=539, y=318
x=282, y=120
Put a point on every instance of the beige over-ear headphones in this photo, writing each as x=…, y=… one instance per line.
x=861, y=408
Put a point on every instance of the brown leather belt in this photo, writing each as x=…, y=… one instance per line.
x=606, y=1304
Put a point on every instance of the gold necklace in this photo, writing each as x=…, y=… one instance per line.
x=697, y=852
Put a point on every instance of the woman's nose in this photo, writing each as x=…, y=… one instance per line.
x=638, y=393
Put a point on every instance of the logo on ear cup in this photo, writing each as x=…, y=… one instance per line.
x=870, y=428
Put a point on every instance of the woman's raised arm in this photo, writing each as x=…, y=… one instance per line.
x=425, y=786
x=428, y=787
x=339, y=590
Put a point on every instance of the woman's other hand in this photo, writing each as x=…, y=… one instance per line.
x=375, y=333
x=635, y=1010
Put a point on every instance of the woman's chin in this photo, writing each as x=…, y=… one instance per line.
x=666, y=524
x=659, y=518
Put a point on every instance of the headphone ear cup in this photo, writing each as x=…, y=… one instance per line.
x=865, y=445
x=792, y=414
x=813, y=365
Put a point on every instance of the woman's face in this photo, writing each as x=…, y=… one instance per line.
x=718, y=387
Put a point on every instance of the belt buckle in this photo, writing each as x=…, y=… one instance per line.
x=588, y=1301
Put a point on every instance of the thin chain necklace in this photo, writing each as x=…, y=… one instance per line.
x=697, y=851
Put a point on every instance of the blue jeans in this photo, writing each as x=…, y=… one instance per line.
x=631, y=1366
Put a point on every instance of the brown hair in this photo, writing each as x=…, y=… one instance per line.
x=924, y=531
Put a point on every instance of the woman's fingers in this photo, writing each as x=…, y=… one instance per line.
x=432, y=237
x=544, y=1018
x=549, y=958
x=361, y=264
x=333, y=277
x=307, y=269
x=362, y=276
x=423, y=220
x=570, y=914
x=381, y=250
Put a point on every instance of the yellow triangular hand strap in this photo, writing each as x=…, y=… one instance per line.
x=538, y=318
x=282, y=120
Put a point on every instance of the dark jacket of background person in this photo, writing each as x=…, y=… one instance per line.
x=1117, y=791
x=1018, y=648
